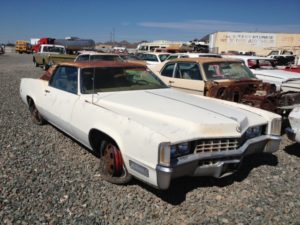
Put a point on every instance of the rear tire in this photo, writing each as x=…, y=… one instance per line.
x=35, y=63
x=112, y=166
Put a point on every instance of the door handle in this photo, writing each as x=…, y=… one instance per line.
x=171, y=82
x=47, y=91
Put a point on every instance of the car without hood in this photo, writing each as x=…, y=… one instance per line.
x=141, y=128
x=265, y=69
x=227, y=79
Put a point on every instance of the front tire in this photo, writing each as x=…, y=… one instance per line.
x=112, y=166
x=35, y=114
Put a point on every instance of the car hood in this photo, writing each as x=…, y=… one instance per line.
x=179, y=116
x=279, y=74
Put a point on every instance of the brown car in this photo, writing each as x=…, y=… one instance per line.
x=227, y=79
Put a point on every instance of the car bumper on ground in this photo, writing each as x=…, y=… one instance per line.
x=215, y=164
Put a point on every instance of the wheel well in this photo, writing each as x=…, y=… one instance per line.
x=96, y=137
x=29, y=101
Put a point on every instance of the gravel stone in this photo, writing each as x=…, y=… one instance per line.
x=48, y=178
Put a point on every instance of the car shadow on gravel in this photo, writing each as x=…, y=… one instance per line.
x=179, y=188
x=293, y=149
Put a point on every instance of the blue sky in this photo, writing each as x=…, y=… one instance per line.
x=135, y=20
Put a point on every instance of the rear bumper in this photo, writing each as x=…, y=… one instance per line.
x=215, y=164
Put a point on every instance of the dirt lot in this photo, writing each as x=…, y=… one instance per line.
x=47, y=178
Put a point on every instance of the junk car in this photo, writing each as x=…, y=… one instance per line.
x=141, y=128
x=227, y=79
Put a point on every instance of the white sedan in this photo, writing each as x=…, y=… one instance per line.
x=141, y=128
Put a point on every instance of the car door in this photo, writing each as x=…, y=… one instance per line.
x=186, y=77
x=60, y=96
x=166, y=74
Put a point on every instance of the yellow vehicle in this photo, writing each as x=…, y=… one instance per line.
x=23, y=47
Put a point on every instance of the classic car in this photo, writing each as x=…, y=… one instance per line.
x=265, y=69
x=153, y=58
x=192, y=55
x=227, y=79
x=141, y=128
x=293, y=132
x=96, y=56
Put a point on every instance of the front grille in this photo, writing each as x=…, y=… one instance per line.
x=216, y=145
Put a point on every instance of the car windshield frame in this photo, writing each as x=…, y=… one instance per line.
x=115, y=79
x=227, y=70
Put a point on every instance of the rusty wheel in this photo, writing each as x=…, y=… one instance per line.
x=112, y=166
x=35, y=114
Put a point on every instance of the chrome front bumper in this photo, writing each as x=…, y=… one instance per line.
x=214, y=164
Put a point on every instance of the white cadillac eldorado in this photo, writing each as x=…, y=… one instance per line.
x=141, y=128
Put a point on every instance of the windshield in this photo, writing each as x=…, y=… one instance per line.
x=149, y=57
x=172, y=57
x=95, y=80
x=163, y=57
x=227, y=70
x=105, y=58
x=261, y=64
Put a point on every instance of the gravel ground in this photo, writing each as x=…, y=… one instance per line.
x=48, y=178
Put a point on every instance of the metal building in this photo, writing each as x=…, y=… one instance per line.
x=260, y=43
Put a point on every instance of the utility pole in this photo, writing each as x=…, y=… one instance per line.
x=113, y=35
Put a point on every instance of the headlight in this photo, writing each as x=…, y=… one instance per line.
x=180, y=150
x=168, y=152
x=253, y=132
x=276, y=127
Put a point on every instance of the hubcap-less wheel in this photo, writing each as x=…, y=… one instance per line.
x=35, y=115
x=35, y=64
x=112, y=166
